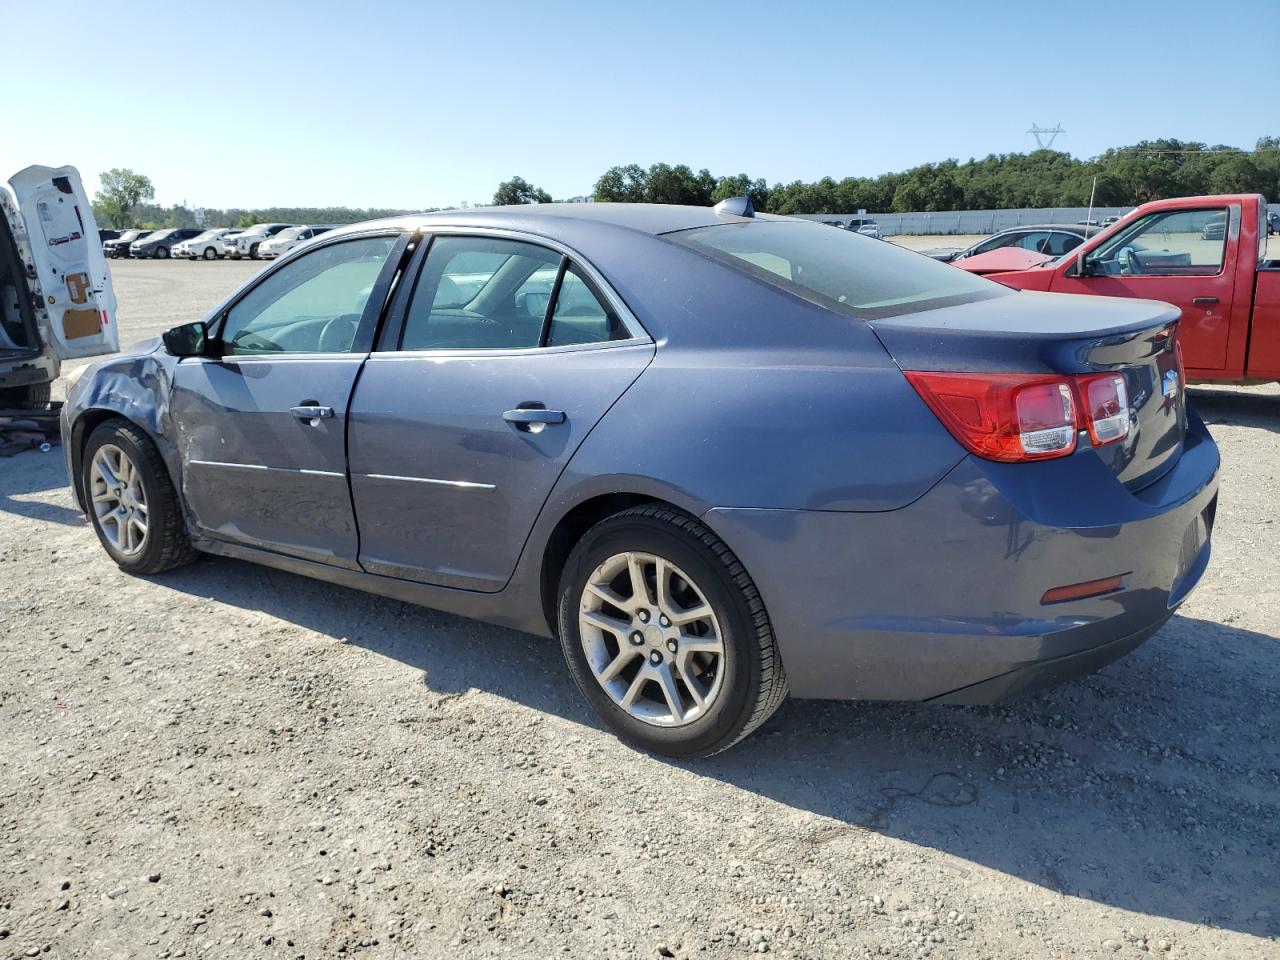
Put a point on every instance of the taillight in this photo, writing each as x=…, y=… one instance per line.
x=1013, y=417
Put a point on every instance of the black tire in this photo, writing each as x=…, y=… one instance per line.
x=162, y=253
x=31, y=397
x=210, y=253
x=253, y=252
x=166, y=544
x=754, y=683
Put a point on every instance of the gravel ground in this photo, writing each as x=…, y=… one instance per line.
x=229, y=761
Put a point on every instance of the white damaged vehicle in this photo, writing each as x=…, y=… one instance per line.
x=56, y=301
x=246, y=244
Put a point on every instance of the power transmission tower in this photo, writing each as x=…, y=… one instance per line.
x=1040, y=133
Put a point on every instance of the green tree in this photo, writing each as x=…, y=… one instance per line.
x=622, y=185
x=122, y=190
x=519, y=190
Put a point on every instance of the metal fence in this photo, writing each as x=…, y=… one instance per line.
x=977, y=221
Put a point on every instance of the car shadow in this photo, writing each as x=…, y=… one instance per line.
x=34, y=472
x=1150, y=787
x=1236, y=407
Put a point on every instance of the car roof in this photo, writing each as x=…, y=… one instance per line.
x=651, y=218
x=1079, y=229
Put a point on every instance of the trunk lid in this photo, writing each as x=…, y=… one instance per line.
x=1038, y=333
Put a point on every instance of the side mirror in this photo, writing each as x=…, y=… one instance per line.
x=1082, y=269
x=188, y=340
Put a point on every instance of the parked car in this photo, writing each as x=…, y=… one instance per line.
x=1180, y=251
x=118, y=248
x=248, y=242
x=866, y=226
x=159, y=245
x=207, y=245
x=516, y=440
x=286, y=240
x=61, y=308
x=1051, y=239
x=105, y=235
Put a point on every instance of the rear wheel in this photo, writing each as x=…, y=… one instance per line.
x=30, y=397
x=132, y=503
x=666, y=636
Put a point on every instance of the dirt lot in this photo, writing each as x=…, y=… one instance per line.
x=229, y=761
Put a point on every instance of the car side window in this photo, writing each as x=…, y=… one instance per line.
x=480, y=293
x=579, y=317
x=1184, y=243
x=311, y=305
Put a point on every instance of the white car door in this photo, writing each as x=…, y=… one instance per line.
x=74, y=278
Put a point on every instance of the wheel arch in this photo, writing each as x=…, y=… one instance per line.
x=82, y=428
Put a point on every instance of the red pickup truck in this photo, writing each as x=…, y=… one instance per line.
x=1206, y=255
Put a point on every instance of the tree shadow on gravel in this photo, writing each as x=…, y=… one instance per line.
x=1149, y=787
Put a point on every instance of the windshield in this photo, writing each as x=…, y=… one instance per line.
x=841, y=271
x=131, y=235
x=293, y=233
x=207, y=235
x=161, y=234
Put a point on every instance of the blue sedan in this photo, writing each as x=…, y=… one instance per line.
x=721, y=456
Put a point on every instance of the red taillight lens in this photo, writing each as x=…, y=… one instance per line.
x=1013, y=417
x=1106, y=404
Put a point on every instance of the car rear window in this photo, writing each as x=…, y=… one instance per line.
x=840, y=270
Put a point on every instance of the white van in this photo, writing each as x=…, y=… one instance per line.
x=56, y=301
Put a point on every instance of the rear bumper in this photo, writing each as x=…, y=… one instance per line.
x=941, y=599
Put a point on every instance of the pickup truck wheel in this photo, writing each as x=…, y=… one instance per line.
x=666, y=635
x=210, y=253
x=132, y=503
x=253, y=252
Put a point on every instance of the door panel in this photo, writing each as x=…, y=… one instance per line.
x=445, y=489
x=69, y=261
x=1177, y=261
x=254, y=472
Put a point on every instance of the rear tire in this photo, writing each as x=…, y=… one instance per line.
x=131, y=501
x=686, y=670
x=30, y=397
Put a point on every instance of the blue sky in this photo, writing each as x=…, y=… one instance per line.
x=429, y=104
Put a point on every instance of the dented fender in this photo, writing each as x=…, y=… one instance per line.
x=134, y=385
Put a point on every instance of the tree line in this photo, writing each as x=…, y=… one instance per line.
x=1123, y=176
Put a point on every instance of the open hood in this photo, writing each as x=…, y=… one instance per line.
x=75, y=283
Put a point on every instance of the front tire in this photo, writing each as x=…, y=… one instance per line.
x=162, y=253
x=131, y=501
x=666, y=635
x=210, y=253
x=253, y=252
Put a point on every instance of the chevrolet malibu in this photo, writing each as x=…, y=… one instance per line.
x=721, y=456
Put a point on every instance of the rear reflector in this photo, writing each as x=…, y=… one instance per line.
x=1079, y=591
x=1014, y=417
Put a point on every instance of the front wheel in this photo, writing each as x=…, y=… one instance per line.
x=253, y=252
x=132, y=502
x=210, y=253
x=666, y=635
x=162, y=253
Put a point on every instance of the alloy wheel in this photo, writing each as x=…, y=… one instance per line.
x=652, y=639
x=119, y=499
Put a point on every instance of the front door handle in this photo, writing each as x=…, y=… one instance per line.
x=525, y=416
x=312, y=411
x=1204, y=301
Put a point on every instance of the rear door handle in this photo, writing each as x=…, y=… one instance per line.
x=311, y=411
x=523, y=416
x=1204, y=301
